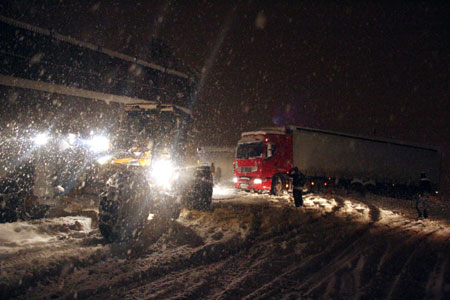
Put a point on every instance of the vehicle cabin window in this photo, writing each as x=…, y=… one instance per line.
x=250, y=150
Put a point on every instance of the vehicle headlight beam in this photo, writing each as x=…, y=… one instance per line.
x=98, y=143
x=162, y=172
x=41, y=139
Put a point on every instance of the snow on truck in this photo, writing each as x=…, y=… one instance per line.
x=264, y=157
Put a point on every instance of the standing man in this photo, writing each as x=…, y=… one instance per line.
x=213, y=171
x=298, y=180
x=423, y=196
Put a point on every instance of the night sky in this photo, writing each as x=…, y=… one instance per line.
x=372, y=69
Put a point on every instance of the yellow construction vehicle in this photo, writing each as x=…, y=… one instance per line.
x=150, y=176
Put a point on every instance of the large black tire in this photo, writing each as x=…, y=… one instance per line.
x=124, y=206
x=8, y=212
x=199, y=195
x=277, y=186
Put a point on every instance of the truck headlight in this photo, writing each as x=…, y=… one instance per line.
x=257, y=181
x=235, y=179
x=162, y=171
x=98, y=143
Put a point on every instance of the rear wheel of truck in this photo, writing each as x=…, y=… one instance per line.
x=277, y=186
x=200, y=195
x=7, y=214
x=124, y=206
x=199, y=198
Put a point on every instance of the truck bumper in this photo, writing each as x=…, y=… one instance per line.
x=249, y=184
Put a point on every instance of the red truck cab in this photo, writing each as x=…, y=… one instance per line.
x=263, y=158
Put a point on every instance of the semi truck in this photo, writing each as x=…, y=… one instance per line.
x=264, y=157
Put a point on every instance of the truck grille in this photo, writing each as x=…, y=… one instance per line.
x=247, y=169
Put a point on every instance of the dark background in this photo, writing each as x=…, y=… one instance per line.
x=363, y=68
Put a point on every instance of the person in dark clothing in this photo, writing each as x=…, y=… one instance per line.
x=213, y=169
x=298, y=180
x=423, y=196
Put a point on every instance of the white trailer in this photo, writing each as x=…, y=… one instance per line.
x=328, y=154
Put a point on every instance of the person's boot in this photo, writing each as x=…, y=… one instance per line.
x=425, y=214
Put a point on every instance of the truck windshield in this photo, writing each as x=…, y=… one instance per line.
x=250, y=150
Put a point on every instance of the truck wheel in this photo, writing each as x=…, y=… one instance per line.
x=200, y=195
x=123, y=207
x=175, y=213
x=7, y=214
x=199, y=198
x=277, y=186
x=165, y=207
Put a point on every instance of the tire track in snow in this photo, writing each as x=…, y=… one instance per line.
x=222, y=272
x=436, y=281
x=349, y=254
x=128, y=274
x=246, y=273
x=403, y=270
x=275, y=251
x=308, y=266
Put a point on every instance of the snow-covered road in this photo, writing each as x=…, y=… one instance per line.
x=249, y=246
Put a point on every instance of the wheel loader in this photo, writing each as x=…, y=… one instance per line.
x=144, y=165
x=151, y=176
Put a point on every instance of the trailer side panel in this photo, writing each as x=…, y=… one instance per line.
x=327, y=154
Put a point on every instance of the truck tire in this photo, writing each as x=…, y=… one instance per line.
x=8, y=212
x=124, y=206
x=200, y=194
x=277, y=186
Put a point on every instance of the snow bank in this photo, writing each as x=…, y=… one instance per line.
x=19, y=234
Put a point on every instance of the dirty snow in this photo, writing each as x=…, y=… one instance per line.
x=19, y=235
x=249, y=246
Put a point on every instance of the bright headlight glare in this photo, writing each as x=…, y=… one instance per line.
x=104, y=159
x=41, y=139
x=98, y=143
x=71, y=139
x=257, y=181
x=162, y=172
x=235, y=179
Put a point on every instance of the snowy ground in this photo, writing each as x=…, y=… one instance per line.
x=249, y=246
